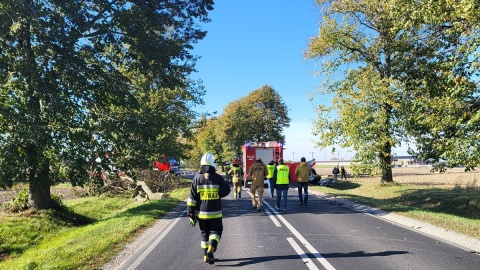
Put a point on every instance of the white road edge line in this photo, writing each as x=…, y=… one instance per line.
x=302, y=254
x=272, y=217
x=155, y=243
x=302, y=240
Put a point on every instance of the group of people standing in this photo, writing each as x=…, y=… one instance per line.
x=342, y=171
x=208, y=187
x=278, y=176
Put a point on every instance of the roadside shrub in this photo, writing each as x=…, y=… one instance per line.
x=159, y=181
x=19, y=203
x=95, y=185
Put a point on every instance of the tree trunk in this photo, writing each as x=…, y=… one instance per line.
x=40, y=187
x=386, y=154
x=38, y=178
x=387, y=175
x=386, y=164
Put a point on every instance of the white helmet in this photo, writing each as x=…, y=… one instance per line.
x=208, y=159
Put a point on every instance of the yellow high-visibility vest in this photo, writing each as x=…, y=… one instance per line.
x=282, y=174
x=271, y=169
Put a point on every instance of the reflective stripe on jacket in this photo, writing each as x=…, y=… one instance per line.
x=205, y=195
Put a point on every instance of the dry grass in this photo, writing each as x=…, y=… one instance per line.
x=421, y=176
x=450, y=200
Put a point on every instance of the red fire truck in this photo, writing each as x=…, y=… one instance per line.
x=266, y=150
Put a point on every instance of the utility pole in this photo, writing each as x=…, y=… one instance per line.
x=338, y=158
x=293, y=156
x=312, y=154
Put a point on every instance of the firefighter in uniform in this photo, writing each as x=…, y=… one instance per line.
x=258, y=171
x=205, y=206
x=236, y=173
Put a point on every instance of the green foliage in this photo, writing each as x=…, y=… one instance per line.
x=365, y=99
x=95, y=185
x=259, y=116
x=19, y=203
x=407, y=72
x=153, y=127
x=440, y=76
x=78, y=79
x=201, y=141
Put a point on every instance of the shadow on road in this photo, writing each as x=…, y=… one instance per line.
x=363, y=254
x=255, y=260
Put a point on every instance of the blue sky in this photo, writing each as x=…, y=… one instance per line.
x=251, y=43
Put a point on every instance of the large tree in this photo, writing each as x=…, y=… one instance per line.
x=399, y=59
x=357, y=38
x=68, y=72
x=260, y=116
x=155, y=125
x=440, y=74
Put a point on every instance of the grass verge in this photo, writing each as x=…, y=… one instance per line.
x=43, y=240
x=456, y=209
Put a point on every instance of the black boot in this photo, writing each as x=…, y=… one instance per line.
x=211, y=259
x=205, y=256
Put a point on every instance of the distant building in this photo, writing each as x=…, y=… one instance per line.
x=407, y=161
x=397, y=161
x=341, y=162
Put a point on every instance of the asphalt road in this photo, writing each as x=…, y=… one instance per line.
x=324, y=235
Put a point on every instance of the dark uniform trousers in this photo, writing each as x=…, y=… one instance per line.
x=211, y=230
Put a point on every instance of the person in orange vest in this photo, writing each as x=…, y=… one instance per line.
x=236, y=172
